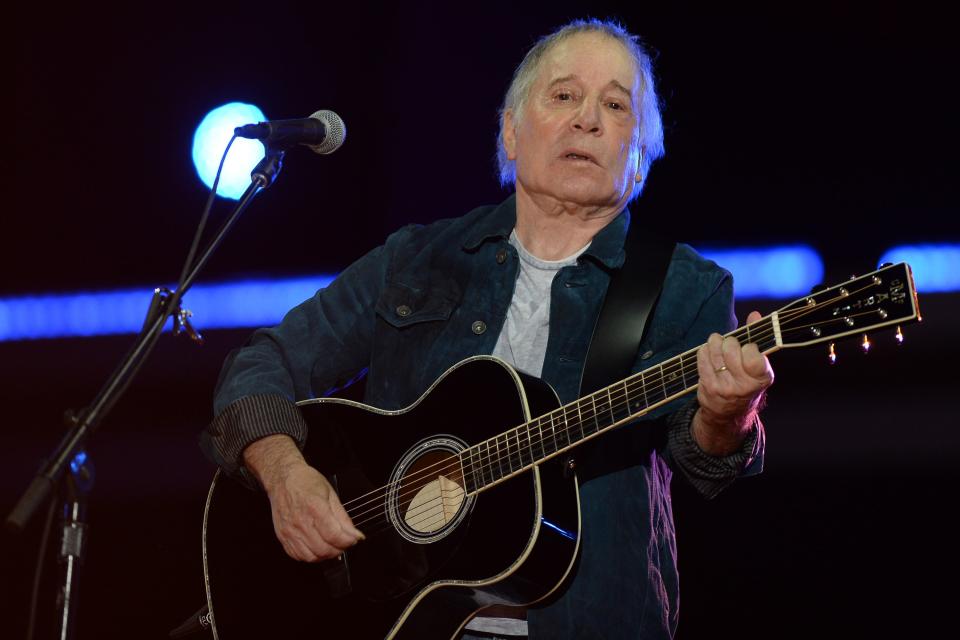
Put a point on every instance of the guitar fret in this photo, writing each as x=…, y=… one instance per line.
x=506, y=452
x=485, y=463
x=564, y=431
x=613, y=416
x=520, y=463
x=659, y=391
x=531, y=457
x=593, y=418
x=626, y=396
x=494, y=455
x=473, y=471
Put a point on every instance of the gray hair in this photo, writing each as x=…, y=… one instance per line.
x=651, y=125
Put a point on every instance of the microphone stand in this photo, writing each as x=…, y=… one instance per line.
x=71, y=450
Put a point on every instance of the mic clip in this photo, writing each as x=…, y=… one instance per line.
x=181, y=317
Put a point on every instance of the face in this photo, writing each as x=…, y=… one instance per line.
x=577, y=140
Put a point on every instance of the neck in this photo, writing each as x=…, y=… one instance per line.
x=552, y=230
x=487, y=463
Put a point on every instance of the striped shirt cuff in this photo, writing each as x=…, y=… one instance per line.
x=708, y=474
x=246, y=420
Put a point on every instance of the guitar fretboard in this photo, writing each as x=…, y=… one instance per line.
x=551, y=434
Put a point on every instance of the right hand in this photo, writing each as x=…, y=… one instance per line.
x=308, y=518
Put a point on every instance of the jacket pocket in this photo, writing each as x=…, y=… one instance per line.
x=402, y=305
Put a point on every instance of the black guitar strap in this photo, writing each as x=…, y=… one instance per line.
x=630, y=299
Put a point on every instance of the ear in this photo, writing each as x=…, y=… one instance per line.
x=509, y=135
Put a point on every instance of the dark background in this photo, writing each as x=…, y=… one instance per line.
x=833, y=124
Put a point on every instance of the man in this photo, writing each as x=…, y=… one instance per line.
x=523, y=281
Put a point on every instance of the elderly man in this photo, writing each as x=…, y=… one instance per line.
x=523, y=281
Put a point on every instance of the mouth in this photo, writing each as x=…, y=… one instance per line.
x=577, y=155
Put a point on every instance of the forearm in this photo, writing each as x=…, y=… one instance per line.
x=247, y=421
x=719, y=437
x=271, y=458
x=707, y=472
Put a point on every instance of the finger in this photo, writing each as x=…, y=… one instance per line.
x=756, y=365
x=753, y=317
x=732, y=355
x=715, y=351
x=705, y=368
x=297, y=550
x=320, y=549
x=334, y=533
x=344, y=518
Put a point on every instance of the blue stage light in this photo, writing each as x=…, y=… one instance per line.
x=210, y=140
x=772, y=272
x=758, y=273
x=936, y=267
x=248, y=303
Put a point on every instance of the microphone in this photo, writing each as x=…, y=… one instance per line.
x=323, y=132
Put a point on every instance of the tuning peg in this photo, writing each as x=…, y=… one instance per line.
x=833, y=355
x=865, y=345
x=899, y=335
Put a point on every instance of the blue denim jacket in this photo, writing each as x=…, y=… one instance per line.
x=434, y=295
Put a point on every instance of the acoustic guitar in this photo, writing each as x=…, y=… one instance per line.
x=466, y=505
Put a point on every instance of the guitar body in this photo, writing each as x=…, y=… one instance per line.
x=436, y=551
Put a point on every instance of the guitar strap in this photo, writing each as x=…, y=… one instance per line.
x=631, y=296
x=630, y=299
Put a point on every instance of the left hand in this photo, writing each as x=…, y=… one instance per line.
x=733, y=379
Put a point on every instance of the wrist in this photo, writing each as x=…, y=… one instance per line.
x=271, y=459
x=718, y=436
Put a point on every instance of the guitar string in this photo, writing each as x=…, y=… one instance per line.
x=645, y=387
x=611, y=405
x=429, y=513
x=516, y=455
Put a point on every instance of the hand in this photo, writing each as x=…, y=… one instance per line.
x=733, y=379
x=308, y=518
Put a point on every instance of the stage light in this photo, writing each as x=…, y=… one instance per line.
x=247, y=303
x=775, y=272
x=770, y=272
x=210, y=140
x=936, y=267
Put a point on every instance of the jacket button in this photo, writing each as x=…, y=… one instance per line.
x=646, y=355
x=479, y=327
x=403, y=311
x=501, y=256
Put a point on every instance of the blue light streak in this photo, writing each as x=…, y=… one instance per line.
x=247, y=303
x=936, y=267
x=772, y=272
x=566, y=534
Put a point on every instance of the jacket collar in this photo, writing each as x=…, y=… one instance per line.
x=606, y=248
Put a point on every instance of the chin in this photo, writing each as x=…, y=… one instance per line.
x=586, y=193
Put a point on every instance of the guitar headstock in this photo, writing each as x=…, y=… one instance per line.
x=883, y=298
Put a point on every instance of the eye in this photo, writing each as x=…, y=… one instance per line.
x=564, y=96
x=616, y=106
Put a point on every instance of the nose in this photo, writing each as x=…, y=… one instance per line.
x=587, y=118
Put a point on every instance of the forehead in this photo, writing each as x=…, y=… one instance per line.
x=590, y=57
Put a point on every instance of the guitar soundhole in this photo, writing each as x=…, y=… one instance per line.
x=428, y=498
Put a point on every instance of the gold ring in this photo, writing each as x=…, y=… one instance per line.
x=723, y=368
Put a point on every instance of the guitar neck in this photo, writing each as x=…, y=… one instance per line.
x=547, y=436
